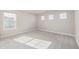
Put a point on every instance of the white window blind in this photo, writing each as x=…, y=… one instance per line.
x=9, y=22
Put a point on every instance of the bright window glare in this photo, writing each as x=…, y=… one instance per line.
x=42, y=17
x=63, y=16
x=51, y=17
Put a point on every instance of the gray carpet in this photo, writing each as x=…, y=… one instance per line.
x=58, y=41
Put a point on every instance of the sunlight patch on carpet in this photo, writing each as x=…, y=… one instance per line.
x=39, y=44
x=23, y=39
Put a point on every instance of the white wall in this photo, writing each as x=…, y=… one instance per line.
x=77, y=26
x=64, y=26
x=24, y=22
x=27, y=22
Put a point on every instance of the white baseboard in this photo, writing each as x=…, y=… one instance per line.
x=77, y=42
x=4, y=36
x=40, y=30
x=59, y=33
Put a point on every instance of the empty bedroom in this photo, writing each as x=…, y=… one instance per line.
x=38, y=29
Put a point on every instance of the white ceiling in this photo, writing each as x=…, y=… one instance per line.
x=35, y=11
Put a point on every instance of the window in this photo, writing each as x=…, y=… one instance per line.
x=42, y=18
x=9, y=21
x=51, y=17
x=63, y=16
